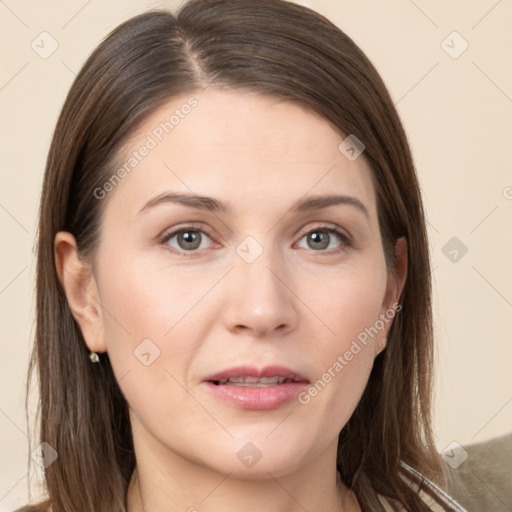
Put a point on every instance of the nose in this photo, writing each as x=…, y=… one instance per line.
x=260, y=300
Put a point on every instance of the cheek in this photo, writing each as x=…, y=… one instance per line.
x=148, y=318
x=349, y=308
x=155, y=319
x=142, y=300
x=348, y=303
x=152, y=331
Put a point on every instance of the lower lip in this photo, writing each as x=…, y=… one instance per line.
x=257, y=398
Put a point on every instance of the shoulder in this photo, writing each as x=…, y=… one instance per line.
x=431, y=494
x=44, y=506
x=482, y=479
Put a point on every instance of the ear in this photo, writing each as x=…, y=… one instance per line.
x=79, y=284
x=395, y=284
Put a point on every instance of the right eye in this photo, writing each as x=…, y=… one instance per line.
x=187, y=239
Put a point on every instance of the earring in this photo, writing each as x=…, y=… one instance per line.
x=94, y=357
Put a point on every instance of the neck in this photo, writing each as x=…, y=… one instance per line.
x=195, y=488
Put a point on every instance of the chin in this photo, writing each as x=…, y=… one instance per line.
x=255, y=460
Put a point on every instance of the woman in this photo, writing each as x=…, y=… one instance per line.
x=233, y=282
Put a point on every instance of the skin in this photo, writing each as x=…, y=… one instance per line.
x=298, y=304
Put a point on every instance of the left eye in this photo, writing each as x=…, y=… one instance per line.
x=321, y=239
x=188, y=239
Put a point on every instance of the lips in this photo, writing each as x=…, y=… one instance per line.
x=253, y=381
x=250, y=374
x=248, y=387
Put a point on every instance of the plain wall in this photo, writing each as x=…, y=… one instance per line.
x=458, y=116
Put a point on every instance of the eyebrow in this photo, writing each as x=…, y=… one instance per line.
x=214, y=205
x=191, y=200
x=319, y=202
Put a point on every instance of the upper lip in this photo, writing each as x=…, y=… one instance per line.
x=252, y=371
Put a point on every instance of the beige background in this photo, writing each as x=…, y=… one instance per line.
x=457, y=112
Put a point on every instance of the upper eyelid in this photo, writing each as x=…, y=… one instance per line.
x=328, y=226
x=203, y=227
x=175, y=230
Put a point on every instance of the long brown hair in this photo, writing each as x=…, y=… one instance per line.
x=272, y=47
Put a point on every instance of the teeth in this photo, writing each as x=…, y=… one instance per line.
x=258, y=382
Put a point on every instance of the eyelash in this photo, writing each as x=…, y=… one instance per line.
x=329, y=229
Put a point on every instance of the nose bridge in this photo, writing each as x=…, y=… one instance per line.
x=259, y=299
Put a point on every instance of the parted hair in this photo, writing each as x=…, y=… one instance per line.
x=272, y=47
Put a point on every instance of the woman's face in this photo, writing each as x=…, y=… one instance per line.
x=242, y=242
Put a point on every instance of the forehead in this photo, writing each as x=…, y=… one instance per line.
x=219, y=142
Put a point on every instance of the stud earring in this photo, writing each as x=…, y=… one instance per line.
x=94, y=357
